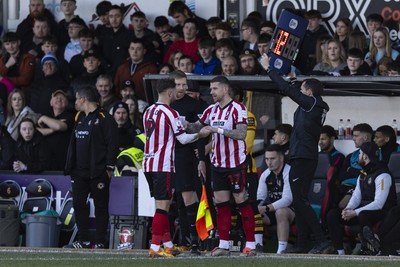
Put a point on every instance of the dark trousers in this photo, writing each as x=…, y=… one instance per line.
x=99, y=190
x=336, y=223
x=300, y=177
x=389, y=232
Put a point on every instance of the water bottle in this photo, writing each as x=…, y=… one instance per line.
x=348, y=129
x=394, y=126
x=341, y=129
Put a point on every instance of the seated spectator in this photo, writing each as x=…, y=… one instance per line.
x=189, y=44
x=86, y=42
x=42, y=89
x=343, y=31
x=134, y=68
x=333, y=61
x=17, y=111
x=274, y=195
x=223, y=48
x=126, y=131
x=393, y=69
x=208, y=62
x=267, y=27
x=174, y=59
x=16, y=66
x=263, y=44
x=91, y=65
x=211, y=23
x=373, y=196
x=165, y=69
x=350, y=170
x=250, y=30
x=102, y=10
x=68, y=8
x=355, y=64
x=128, y=90
x=31, y=153
x=380, y=47
x=374, y=21
x=7, y=149
x=248, y=63
x=105, y=89
x=320, y=48
x=386, y=139
x=134, y=115
x=73, y=47
x=383, y=66
x=40, y=29
x=357, y=39
x=185, y=64
x=229, y=66
x=56, y=129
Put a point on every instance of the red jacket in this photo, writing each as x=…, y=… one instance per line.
x=189, y=49
x=26, y=70
x=124, y=73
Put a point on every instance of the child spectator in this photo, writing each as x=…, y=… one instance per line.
x=393, y=68
x=73, y=47
x=208, y=62
x=355, y=64
x=383, y=66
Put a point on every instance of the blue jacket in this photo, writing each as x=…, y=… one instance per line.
x=202, y=68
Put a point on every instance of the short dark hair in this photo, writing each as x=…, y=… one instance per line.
x=88, y=92
x=185, y=57
x=86, y=33
x=164, y=84
x=275, y=148
x=138, y=14
x=178, y=7
x=78, y=21
x=329, y=131
x=177, y=74
x=375, y=17
x=394, y=66
x=224, y=42
x=312, y=14
x=138, y=41
x=253, y=23
x=268, y=23
x=221, y=79
x=160, y=21
x=264, y=38
x=213, y=21
x=52, y=39
x=356, y=53
x=257, y=15
x=11, y=37
x=223, y=26
x=284, y=128
x=364, y=128
x=237, y=89
x=103, y=7
x=191, y=20
x=387, y=131
x=117, y=7
x=315, y=86
x=206, y=42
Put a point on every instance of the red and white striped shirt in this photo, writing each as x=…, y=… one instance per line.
x=162, y=124
x=227, y=152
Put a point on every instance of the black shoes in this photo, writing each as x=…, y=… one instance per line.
x=79, y=244
x=321, y=247
x=372, y=241
x=296, y=250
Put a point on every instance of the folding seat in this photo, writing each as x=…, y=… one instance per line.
x=10, y=193
x=39, y=197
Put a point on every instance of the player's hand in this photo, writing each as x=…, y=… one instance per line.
x=348, y=214
x=264, y=61
x=262, y=209
x=11, y=62
x=202, y=169
x=205, y=131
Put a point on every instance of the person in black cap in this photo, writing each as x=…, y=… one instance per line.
x=373, y=196
x=248, y=63
x=127, y=88
x=126, y=131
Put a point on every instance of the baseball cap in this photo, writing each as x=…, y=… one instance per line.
x=91, y=53
x=49, y=57
x=371, y=150
x=58, y=92
x=247, y=52
x=120, y=105
x=127, y=83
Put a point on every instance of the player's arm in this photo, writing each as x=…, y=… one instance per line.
x=194, y=127
x=238, y=134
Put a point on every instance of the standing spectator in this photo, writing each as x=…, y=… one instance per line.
x=134, y=114
x=40, y=29
x=73, y=47
x=140, y=30
x=181, y=12
x=211, y=23
x=134, y=68
x=189, y=44
x=102, y=10
x=308, y=120
x=15, y=65
x=26, y=28
x=208, y=62
x=185, y=64
x=114, y=43
x=374, y=21
x=126, y=131
x=268, y=27
x=50, y=80
x=17, y=110
x=248, y=63
x=372, y=198
x=380, y=47
x=164, y=36
x=31, y=153
x=91, y=157
x=305, y=60
x=263, y=44
x=68, y=8
x=105, y=89
x=227, y=120
x=274, y=196
x=56, y=129
x=162, y=126
x=250, y=30
x=229, y=66
x=343, y=30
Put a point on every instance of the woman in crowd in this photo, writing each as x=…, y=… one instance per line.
x=17, y=111
x=174, y=58
x=357, y=39
x=343, y=31
x=134, y=113
x=333, y=59
x=31, y=154
x=165, y=69
x=379, y=48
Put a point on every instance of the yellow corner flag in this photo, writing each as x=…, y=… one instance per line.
x=204, y=221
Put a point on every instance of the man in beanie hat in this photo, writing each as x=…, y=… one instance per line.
x=126, y=131
x=248, y=63
x=373, y=196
